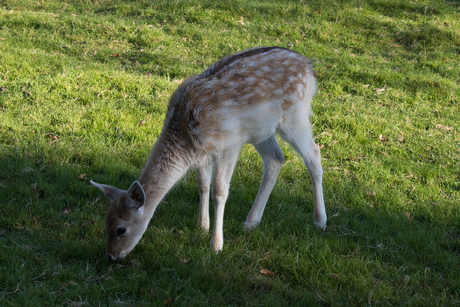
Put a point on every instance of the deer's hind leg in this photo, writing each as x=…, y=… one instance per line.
x=203, y=178
x=273, y=158
x=297, y=132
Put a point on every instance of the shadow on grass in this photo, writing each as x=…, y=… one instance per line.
x=45, y=204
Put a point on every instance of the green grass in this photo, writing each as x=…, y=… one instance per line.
x=77, y=78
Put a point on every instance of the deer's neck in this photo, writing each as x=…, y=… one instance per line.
x=167, y=163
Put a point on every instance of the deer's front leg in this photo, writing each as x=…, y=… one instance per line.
x=203, y=177
x=224, y=171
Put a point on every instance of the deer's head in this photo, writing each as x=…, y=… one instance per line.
x=125, y=221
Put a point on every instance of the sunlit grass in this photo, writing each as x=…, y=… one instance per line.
x=84, y=88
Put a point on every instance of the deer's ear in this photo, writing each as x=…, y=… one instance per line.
x=135, y=197
x=109, y=191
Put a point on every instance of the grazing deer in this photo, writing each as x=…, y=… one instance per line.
x=243, y=98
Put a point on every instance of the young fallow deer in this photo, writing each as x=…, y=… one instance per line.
x=243, y=98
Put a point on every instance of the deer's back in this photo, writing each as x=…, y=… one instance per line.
x=242, y=98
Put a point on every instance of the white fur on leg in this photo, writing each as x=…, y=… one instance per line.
x=248, y=225
x=224, y=171
x=203, y=176
x=321, y=224
x=217, y=243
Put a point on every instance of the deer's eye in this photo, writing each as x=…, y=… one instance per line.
x=120, y=231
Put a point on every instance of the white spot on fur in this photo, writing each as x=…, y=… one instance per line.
x=267, y=85
x=286, y=86
x=246, y=97
x=230, y=102
x=265, y=68
x=259, y=91
x=276, y=76
x=224, y=91
x=300, y=90
x=250, y=80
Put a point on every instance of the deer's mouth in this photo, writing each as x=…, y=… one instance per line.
x=113, y=257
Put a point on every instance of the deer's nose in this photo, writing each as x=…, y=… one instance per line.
x=110, y=257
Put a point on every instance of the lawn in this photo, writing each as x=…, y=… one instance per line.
x=84, y=86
